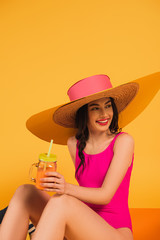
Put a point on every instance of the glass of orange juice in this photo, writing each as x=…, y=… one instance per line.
x=46, y=164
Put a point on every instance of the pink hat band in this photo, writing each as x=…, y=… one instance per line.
x=89, y=86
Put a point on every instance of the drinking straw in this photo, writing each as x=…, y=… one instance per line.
x=50, y=148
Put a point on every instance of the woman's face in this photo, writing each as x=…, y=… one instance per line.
x=100, y=114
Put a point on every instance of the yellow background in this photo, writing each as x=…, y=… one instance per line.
x=45, y=47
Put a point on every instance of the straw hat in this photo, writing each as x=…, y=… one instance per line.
x=131, y=98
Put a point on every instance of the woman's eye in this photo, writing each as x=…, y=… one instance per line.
x=95, y=108
x=108, y=106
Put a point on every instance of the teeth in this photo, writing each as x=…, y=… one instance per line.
x=103, y=121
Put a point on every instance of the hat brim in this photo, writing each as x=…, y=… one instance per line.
x=123, y=95
x=43, y=126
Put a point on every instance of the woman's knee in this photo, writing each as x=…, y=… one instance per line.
x=24, y=192
x=25, y=189
x=62, y=201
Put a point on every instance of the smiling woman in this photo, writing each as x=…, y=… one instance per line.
x=107, y=156
x=100, y=112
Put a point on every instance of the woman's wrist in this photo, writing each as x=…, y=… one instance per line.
x=67, y=190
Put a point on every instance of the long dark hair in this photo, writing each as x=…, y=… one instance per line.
x=82, y=134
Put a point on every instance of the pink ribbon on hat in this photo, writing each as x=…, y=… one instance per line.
x=89, y=86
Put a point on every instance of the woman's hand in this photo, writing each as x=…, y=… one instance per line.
x=54, y=182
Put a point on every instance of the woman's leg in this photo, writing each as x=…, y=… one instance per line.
x=74, y=220
x=27, y=203
x=31, y=227
x=2, y=213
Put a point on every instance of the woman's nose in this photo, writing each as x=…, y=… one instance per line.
x=103, y=112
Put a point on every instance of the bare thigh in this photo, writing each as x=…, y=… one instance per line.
x=34, y=200
x=126, y=232
x=85, y=224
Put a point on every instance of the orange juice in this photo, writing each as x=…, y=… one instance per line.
x=46, y=164
x=51, y=167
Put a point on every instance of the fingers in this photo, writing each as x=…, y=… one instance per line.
x=59, y=191
x=51, y=179
x=49, y=185
x=53, y=182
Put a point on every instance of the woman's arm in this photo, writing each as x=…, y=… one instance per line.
x=89, y=195
x=123, y=152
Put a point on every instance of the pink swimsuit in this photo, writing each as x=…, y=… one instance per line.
x=116, y=213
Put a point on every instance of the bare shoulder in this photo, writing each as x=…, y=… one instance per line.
x=124, y=144
x=124, y=138
x=71, y=143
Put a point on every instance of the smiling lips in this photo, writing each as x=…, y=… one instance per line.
x=102, y=122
